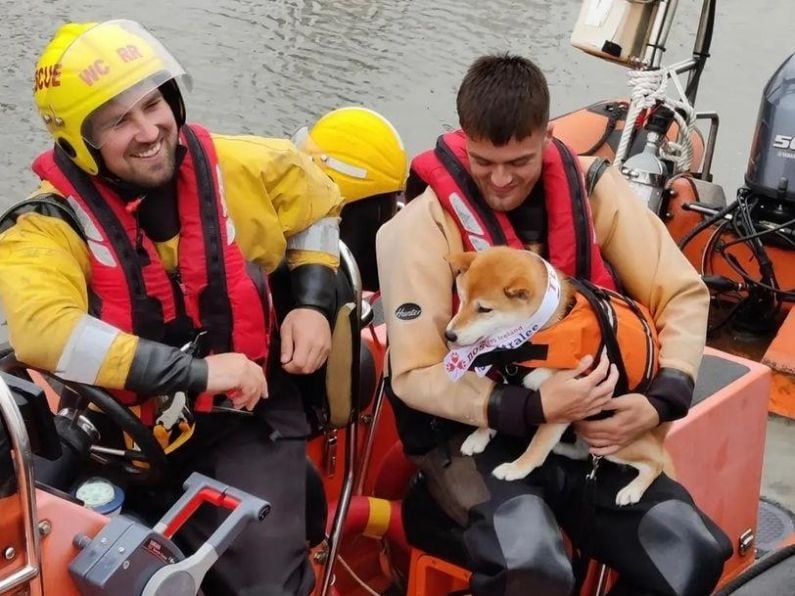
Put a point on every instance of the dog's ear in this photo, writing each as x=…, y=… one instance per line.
x=461, y=261
x=518, y=289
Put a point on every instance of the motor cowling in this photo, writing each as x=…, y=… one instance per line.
x=771, y=164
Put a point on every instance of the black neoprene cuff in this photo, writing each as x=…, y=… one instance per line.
x=671, y=393
x=158, y=369
x=514, y=410
x=314, y=286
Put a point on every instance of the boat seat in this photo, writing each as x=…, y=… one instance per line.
x=718, y=449
x=359, y=223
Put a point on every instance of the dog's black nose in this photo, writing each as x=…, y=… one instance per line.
x=450, y=335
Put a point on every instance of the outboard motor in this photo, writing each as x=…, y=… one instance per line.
x=770, y=176
x=764, y=213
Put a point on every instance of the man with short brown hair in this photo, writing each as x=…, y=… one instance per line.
x=506, y=180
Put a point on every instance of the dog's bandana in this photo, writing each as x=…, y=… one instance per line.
x=458, y=360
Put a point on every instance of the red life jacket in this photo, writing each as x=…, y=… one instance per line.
x=571, y=240
x=216, y=288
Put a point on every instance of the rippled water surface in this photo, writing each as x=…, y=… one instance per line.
x=268, y=67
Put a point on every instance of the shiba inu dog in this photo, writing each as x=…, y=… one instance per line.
x=509, y=297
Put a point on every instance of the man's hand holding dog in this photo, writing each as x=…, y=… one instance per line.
x=632, y=416
x=571, y=395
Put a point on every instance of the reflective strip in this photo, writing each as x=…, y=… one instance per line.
x=300, y=136
x=102, y=253
x=378, y=518
x=89, y=229
x=231, y=232
x=478, y=243
x=343, y=168
x=465, y=215
x=86, y=350
x=321, y=236
x=94, y=237
x=221, y=193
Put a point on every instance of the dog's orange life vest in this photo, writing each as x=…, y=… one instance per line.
x=600, y=319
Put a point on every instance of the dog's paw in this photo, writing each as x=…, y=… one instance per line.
x=477, y=441
x=629, y=495
x=511, y=471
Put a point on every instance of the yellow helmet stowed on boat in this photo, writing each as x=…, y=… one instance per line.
x=85, y=66
x=359, y=149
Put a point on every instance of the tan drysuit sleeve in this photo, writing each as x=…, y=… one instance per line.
x=653, y=271
x=412, y=268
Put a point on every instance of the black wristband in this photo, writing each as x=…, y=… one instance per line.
x=514, y=410
x=671, y=393
x=158, y=369
x=315, y=286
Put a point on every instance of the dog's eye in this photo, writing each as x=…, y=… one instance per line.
x=483, y=309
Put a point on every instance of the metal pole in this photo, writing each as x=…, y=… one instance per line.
x=368, y=446
x=662, y=26
x=349, y=266
x=701, y=45
x=344, y=503
x=23, y=463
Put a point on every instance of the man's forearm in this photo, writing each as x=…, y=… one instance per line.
x=158, y=369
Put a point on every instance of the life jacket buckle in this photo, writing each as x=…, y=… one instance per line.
x=596, y=460
x=174, y=423
x=330, y=453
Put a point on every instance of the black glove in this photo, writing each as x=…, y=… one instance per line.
x=671, y=393
x=158, y=369
x=315, y=286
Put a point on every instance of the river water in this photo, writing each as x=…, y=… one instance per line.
x=269, y=67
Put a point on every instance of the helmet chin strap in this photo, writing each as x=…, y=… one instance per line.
x=173, y=96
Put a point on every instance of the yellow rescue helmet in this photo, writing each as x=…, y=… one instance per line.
x=359, y=149
x=87, y=65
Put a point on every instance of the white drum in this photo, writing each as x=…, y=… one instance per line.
x=616, y=30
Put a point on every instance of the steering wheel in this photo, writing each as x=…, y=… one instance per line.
x=144, y=465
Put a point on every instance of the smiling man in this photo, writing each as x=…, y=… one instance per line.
x=137, y=137
x=504, y=179
x=148, y=233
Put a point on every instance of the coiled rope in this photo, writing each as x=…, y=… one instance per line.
x=649, y=90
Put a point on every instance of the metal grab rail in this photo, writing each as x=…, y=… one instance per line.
x=351, y=270
x=23, y=464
